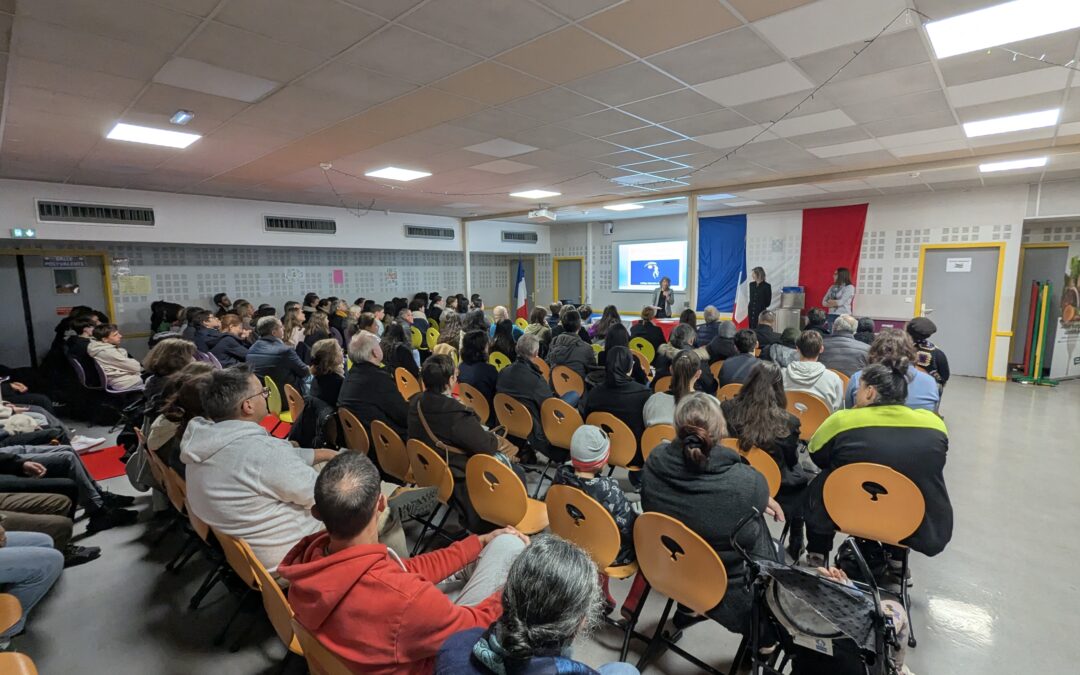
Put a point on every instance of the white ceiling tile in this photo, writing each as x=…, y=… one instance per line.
x=623, y=84
x=891, y=51
x=323, y=26
x=928, y=148
x=503, y=166
x=673, y=106
x=577, y=9
x=236, y=49
x=1069, y=129
x=831, y=137
x=744, y=202
x=500, y=147
x=484, y=26
x=908, y=80
x=210, y=79
x=830, y=23
x=603, y=123
x=755, y=85
x=708, y=123
x=782, y=191
x=935, y=119
x=855, y=147
x=1010, y=86
x=733, y=137
x=719, y=56
x=554, y=105
x=410, y=56
x=131, y=21
x=75, y=49
x=808, y=124
x=944, y=134
x=897, y=106
x=645, y=136
x=344, y=79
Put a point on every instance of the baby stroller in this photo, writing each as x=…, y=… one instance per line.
x=823, y=626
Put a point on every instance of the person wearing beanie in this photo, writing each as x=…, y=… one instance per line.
x=928, y=357
x=589, y=449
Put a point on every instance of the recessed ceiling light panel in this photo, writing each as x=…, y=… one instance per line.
x=1002, y=24
x=1004, y=125
x=395, y=173
x=151, y=136
x=535, y=194
x=623, y=207
x=1012, y=165
x=182, y=117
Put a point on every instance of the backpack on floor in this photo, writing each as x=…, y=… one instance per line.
x=310, y=430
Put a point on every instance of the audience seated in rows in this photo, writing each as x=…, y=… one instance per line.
x=766, y=336
x=539, y=328
x=398, y=351
x=810, y=375
x=619, y=394
x=784, y=352
x=866, y=330
x=682, y=340
x=817, y=319
x=608, y=319
x=685, y=372
x=231, y=347
x=523, y=381
x=722, y=347
x=377, y=612
x=842, y=351
x=550, y=598
x=881, y=429
x=737, y=368
x=707, y=330
x=619, y=336
x=206, y=330
x=180, y=402
x=270, y=356
x=475, y=370
x=121, y=371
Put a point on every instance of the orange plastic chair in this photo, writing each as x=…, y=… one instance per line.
x=810, y=410
x=876, y=502
x=662, y=384
x=761, y=461
x=472, y=398
x=295, y=402
x=682, y=566
x=429, y=469
x=545, y=369
x=623, y=443
x=513, y=415
x=563, y=379
x=640, y=344
x=844, y=379
x=729, y=391
x=320, y=660
x=714, y=368
x=560, y=420
x=499, y=360
x=644, y=362
x=13, y=663
x=390, y=450
x=275, y=603
x=654, y=436
x=238, y=560
x=499, y=497
x=356, y=436
x=407, y=385
x=577, y=517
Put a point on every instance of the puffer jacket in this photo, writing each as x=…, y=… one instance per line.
x=571, y=351
x=844, y=353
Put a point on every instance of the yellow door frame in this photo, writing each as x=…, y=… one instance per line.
x=106, y=270
x=555, y=275
x=994, y=332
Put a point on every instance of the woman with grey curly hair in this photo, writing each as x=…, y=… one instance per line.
x=551, y=597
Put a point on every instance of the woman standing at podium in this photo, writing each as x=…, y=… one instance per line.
x=663, y=299
x=760, y=295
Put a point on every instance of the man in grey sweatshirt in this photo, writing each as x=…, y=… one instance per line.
x=808, y=375
x=244, y=482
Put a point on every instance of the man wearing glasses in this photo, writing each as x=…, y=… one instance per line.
x=244, y=482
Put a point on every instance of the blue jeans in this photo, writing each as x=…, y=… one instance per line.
x=617, y=668
x=571, y=397
x=29, y=566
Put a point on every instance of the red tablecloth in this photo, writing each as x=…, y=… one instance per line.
x=666, y=325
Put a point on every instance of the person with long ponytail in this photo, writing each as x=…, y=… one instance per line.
x=711, y=489
x=685, y=372
x=881, y=429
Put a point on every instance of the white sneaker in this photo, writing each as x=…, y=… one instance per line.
x=82, y=444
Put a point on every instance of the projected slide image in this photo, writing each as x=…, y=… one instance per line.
x=641, y=265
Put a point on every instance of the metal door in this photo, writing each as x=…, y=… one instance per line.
x=54, y=290
x=958, y=290
x=568, y=273
x=13, y=334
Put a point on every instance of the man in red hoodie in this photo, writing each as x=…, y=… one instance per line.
x=379, y=613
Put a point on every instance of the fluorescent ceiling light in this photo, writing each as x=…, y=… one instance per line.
x=535, y=194
x=394, y=173
x=1013, y=164
x=623, y=207
x=709, y=198
x=182, y=117
x=1002, y=24
x=1002, y=125
x=138, y=134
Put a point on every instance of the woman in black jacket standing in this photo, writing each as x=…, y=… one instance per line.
x=760, y=295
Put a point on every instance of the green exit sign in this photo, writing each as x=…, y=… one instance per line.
x=23, y=233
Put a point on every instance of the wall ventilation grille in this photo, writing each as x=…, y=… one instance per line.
x=425, y=232
x=71, y=212
x=300, y=225
x=520, y=237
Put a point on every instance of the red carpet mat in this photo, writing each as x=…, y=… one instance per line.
x=105, y=463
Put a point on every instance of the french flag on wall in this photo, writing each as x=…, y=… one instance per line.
x=521, y=294
x=722, y=277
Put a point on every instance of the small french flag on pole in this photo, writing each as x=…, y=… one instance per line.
x=521, y=294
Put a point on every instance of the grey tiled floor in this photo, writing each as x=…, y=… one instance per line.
x=1001, y=599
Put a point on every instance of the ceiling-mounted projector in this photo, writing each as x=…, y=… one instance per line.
x=542, y=215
